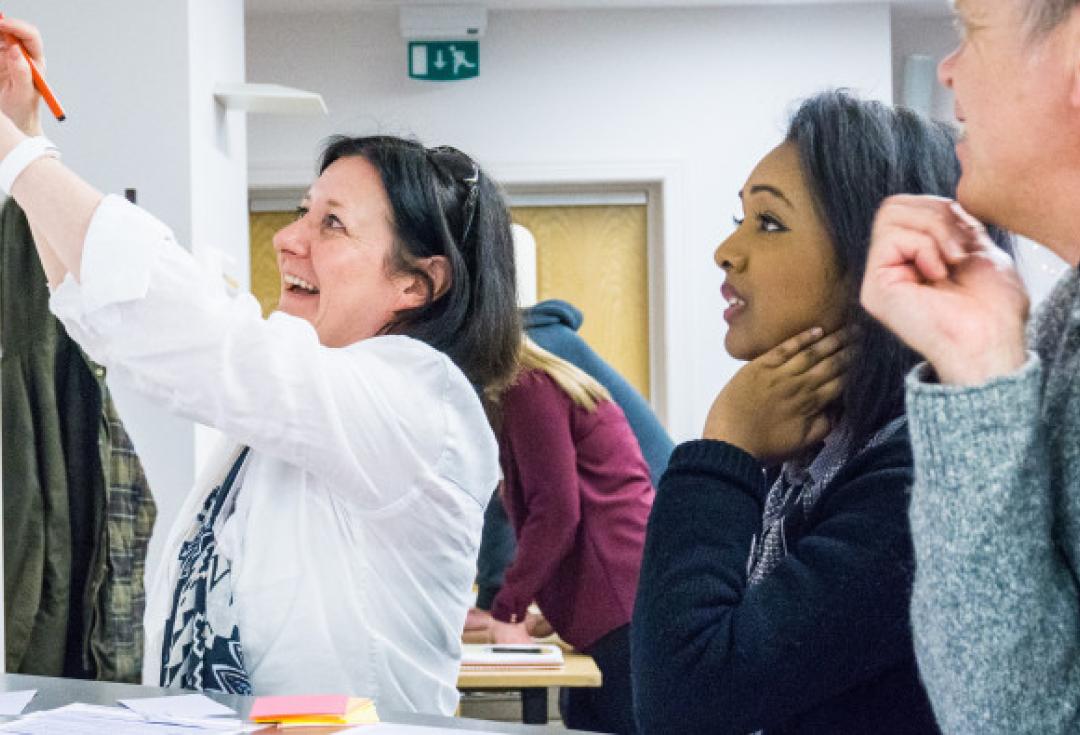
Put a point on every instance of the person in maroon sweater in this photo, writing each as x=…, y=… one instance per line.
x=578, y=494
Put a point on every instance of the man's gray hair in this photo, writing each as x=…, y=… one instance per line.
x=1045, y=15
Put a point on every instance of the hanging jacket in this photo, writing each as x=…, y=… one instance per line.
x=77, y=509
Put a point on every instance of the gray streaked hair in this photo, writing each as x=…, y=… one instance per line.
x=1046, y=15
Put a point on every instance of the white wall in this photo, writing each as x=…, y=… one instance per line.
x=218, y=137
x=135, y=79
x=930, y=36
x=125, y=94
x=218, y=157
x=694, y=96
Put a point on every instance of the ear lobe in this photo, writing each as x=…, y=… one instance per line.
x=421, y=290
x=438, y=270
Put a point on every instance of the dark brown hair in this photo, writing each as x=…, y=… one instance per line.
x=443, y=204
x=855, y=153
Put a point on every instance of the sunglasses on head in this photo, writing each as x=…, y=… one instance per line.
x=461, y=168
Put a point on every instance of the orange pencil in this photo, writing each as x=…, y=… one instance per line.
x=41, y=85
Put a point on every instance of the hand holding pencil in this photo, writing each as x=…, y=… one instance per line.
x=21, y=80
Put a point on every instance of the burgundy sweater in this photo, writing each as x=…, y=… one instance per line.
x=578, y=494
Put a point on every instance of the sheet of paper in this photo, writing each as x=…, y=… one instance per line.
x=90, y=719
x=389, y=728
x=13, y=703
x=190, y=706
x=510, y=654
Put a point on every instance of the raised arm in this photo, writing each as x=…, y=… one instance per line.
x=371, y=418
x=995, y=604
x=58, y=204
x=21, y=107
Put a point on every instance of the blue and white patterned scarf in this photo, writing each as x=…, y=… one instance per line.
x=201, y=649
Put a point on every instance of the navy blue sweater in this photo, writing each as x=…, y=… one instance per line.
x=821, y=645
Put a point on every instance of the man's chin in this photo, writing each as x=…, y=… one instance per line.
x=970, y=195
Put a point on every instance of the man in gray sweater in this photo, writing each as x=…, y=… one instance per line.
x=995, y=424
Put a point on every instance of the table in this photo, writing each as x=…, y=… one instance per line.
x=54, y=692
x=578, y=670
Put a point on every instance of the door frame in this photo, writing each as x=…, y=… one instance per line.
x=662, y=183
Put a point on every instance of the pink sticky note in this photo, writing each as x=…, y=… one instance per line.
x=270, y=708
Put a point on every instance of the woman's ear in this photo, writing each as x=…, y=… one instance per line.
x=420, y=290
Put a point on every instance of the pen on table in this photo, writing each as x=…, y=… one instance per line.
x=510, y=649
x=40, y=84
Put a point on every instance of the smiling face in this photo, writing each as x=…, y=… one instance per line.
x=334, y=258
x=1013, y=95
x=780, y=263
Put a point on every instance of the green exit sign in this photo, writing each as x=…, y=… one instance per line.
x=444, y=61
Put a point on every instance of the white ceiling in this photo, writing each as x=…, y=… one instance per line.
x=259, y=7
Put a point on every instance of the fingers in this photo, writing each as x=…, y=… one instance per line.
x=14, y=64
x=24, y=33
x=821, y=368
x=818, y=422
x=791, y=347
x=15, y=68
x=987, y=247
x=816, y=352
x=923, y=251
x=974, y=225
x=919, y=239
x=818, y=429
x=829, y=369
x=826, y=394
x=938, y=218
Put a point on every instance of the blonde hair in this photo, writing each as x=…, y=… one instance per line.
x=582, y=388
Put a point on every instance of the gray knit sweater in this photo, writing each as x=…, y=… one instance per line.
x=995, y=518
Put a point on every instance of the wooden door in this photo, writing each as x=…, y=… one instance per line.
x=265, y=279
x=596, y=257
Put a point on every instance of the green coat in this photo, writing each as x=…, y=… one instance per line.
x=77, y=510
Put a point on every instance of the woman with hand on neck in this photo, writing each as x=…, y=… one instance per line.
x=777, y=568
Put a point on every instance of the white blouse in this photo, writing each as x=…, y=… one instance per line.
x=356, y=527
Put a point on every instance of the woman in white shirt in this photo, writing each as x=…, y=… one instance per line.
x=333, y=547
